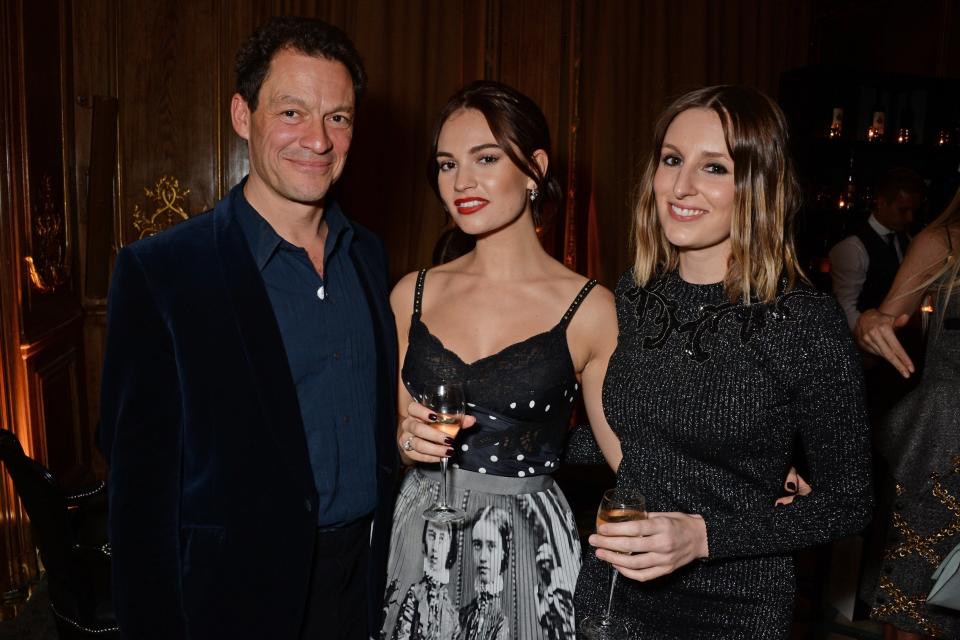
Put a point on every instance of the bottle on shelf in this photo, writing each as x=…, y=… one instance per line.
x=848, y=193
x=905, y=126
x=836, y=124
x=878, y=124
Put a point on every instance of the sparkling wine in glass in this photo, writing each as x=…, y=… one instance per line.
x=617, y=505
x=445, y=399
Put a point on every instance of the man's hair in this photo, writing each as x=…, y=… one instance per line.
x=307, y=35
x=898, y=179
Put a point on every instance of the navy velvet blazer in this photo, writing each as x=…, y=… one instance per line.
x=212, y=500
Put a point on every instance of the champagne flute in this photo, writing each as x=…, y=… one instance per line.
x=618, y=505
x=446, y=400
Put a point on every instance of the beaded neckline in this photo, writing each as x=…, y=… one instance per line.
x=660, y=302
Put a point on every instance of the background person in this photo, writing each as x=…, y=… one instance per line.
x=920, y=438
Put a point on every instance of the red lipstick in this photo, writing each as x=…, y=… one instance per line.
x=466, y=206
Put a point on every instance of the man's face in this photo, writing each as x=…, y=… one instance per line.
x=300, y=134
x=897, y=214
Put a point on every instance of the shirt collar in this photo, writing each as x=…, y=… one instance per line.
x=264, y=241
x=881, y=230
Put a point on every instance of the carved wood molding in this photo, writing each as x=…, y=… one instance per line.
x=169, y=200
x=47, y=267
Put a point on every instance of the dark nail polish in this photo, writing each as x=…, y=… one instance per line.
x=450, y=452
x=791, y=486
x=448, y=441
x=432, y=417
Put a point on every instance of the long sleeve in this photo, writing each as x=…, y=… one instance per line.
x=829, y=405
x=141, y=440
x=848, y=271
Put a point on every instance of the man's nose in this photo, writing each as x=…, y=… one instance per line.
x=316, y=138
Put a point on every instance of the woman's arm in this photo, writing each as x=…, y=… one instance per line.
x=596, y=326
x=829, y=405
x=833, y=427
x=427, y=443
x=875, y=330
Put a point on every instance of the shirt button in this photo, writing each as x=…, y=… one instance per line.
x=308, y=505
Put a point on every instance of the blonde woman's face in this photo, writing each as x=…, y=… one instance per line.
x=694, y=188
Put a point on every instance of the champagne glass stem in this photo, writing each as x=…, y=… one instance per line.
x=613, y=583
x=443, y=482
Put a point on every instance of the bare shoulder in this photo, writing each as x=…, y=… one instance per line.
x=598, y=311
x=401, y=298
x=933, y=241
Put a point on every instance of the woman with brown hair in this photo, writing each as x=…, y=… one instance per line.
x=525, y=336
x=920, y=437
x=725, y=359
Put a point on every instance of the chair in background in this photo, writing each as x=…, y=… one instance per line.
x=70, y=531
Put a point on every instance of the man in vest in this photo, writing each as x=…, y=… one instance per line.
x=863, y=265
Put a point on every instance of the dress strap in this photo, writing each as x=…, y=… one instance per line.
x=418, y=292
x=572, y=309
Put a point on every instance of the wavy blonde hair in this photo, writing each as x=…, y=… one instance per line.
x=766, y=201
x=944, y=280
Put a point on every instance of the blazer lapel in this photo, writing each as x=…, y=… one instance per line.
x=261, y=339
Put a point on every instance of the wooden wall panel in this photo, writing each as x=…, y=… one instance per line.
x=169, y=105
x=45, y=81
x=55, y=374
x=39, y=292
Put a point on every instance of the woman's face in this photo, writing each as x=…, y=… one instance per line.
x=438, y=546
x=694, y=186
x=487, y=551
x=480, y=186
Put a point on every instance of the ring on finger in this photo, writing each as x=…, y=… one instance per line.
x=408, y=444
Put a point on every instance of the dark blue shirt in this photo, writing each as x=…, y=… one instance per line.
x=328, y=335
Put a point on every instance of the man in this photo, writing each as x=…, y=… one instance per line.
x=248, y=388
x=863, y=265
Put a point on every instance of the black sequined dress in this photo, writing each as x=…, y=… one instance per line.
x=509, y=571
x=707, y=398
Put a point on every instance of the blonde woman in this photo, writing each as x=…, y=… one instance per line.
x=920, y=438
x=725, y=359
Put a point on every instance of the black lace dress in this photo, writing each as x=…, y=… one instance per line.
x=707, y=398
x=510, y=569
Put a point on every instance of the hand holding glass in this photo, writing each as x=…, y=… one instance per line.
x=617, y=505
x=446, y=400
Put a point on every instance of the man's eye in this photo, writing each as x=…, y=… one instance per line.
x=290, y=113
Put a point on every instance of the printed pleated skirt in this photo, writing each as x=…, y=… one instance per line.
x=508, y=571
